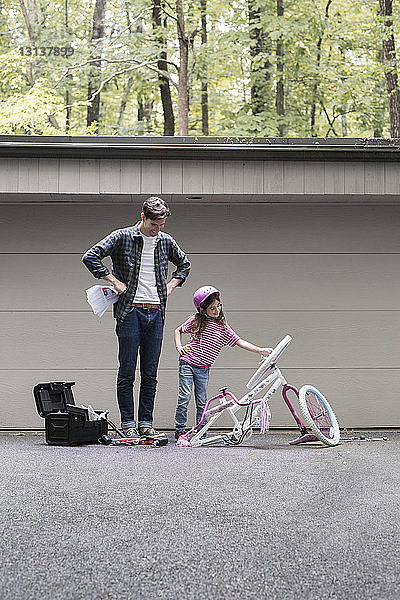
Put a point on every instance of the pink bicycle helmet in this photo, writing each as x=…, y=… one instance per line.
x=202, y=293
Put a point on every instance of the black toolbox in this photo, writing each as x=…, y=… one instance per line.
x=65, y=423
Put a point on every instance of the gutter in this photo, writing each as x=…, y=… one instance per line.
x=200, y=148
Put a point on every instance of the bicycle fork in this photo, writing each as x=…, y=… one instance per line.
x=287, y=388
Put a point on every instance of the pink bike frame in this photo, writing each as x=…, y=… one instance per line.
x=286, y=388
x=184, y=439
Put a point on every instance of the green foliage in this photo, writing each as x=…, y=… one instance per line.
x=331, y=66
x=13, y=68
x=29, y=112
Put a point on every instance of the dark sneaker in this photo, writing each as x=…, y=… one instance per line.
x=130, y=432
x=148, y=432
x=179, y=432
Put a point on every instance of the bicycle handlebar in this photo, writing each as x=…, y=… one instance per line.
x=268, y=361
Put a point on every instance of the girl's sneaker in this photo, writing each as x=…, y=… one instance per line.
x=179, y=432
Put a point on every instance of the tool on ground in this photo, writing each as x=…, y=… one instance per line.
x=363, y=438
x=156, y=441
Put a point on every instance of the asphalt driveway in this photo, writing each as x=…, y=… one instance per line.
x=263, y=520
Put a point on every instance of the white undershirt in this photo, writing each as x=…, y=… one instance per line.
x=147, y=287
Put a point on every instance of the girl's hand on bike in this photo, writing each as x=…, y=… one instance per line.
x=266, y=351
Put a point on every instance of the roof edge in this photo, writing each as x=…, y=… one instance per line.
x=199, y=148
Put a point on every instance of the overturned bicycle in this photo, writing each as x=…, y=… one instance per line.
x=318, y=421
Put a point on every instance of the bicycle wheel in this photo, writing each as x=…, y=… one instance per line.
x=318, y=415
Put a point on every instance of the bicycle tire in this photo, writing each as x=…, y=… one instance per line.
x=318, y=415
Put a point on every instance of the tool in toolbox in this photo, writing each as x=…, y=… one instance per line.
x=158, y=440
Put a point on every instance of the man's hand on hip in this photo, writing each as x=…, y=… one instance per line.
x=116, y=283
x=171, y=285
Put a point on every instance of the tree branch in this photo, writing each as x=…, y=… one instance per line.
x=121, y=72
x=329, y=120
x=132, y=22
x=138, y=65
x=167, y=13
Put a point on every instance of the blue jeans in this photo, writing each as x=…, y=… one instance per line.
x=189, y=374
x=141, y=331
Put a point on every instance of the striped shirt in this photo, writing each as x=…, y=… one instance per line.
x=124, y=246
x=202, y=352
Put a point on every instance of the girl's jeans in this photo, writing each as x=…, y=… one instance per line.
x=141, y=331
x=189, y=374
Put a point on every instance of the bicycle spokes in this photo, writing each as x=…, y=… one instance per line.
x=319, y=414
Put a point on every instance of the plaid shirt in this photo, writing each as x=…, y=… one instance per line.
x=125, y=248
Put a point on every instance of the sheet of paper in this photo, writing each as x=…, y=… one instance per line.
x=100, y=297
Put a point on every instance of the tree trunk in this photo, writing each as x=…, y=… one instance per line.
x=344, y=121
x=343, y=106
x=261, y=74
x=163, y=82
x=379, y=113
x=280, y=91
x=124, y=102
x=145, y=109
x=129, y=83
x=68, y=79
x=68, y=112
x=93, y=111
x=313, y=109
x=183, y=95
x=389, y=61
x=204, y=82
x=30, y=16
x=29, y=12
x=315, y=86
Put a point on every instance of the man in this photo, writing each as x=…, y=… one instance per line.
x=140, y=256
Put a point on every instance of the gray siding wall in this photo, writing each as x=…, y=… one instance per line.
x=327, y=274
x=238, y=179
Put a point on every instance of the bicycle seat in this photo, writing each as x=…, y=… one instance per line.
x=268, y=361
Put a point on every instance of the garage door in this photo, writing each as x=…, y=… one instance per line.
x=328, y=275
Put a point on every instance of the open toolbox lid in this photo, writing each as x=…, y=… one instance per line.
x=53, y=397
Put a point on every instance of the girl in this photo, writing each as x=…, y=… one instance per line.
x=209, y=333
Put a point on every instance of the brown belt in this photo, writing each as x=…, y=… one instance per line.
x=140, y=305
